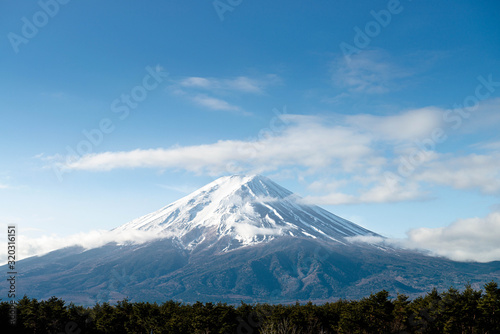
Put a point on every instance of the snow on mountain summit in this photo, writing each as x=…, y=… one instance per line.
x=235, y=211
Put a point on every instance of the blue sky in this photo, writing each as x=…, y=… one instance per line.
x=383, y=112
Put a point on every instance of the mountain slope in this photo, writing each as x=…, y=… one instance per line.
x=241, y=238
x=237, y=211
x=283, y=270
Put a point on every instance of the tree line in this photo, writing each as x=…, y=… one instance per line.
x=451, y=311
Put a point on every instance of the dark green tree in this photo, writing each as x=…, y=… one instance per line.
x=401, y=314
x=489, y=308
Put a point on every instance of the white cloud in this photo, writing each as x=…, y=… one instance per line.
x=214, y=103
x=241, y=84
x=409, y=126
x=468, y=172
x=489, y=146
x=307, y=141
x=484, y=115
x=380, y=192
x=304, y=142
x=197, y=82
x=473, y=239
x=249, y=231
x=387, y=192
x=368, y=72
x=3, y=186
x=247, y=85
x=213, y=93
x=332, y=198
x=326, y=185
x=29, y=246
x=362, y=159
x=369, y=239
x=472, y=171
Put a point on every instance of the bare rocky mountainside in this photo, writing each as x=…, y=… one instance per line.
x=242, y=238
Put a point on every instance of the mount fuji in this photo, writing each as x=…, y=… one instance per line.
x=238, y=211
x=241, y=238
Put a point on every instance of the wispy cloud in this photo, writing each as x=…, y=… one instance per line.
x=473, y=171
x=309, y=142
x=241, y=84
x=293, y=146
x=213, y=93
x=368, y=72
x=378, y=192
x=214, y=103
x=482, y=116
x=488, y=146
x=363, y=158
x=406, y=126
x=198, y=82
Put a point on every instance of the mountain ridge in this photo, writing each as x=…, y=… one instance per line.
x=243, y=210
x=203, y=256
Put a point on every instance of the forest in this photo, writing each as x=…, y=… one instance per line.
x=452, y=311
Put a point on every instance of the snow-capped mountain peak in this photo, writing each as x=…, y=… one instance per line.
x=236, y=211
